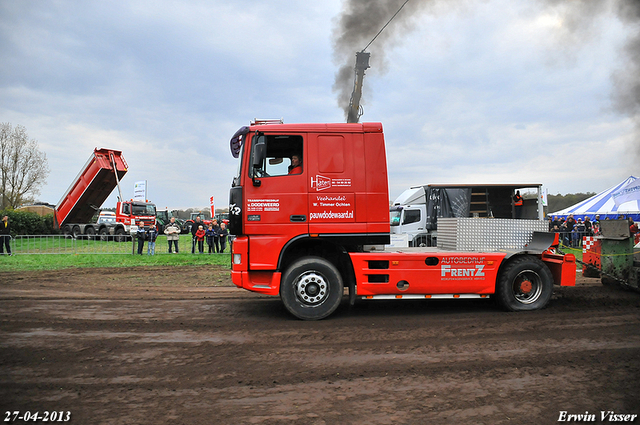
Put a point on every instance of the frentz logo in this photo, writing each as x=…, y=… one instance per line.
x=461, y=272
x=320, y=182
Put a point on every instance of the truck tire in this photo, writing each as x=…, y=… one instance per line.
x=420, y=240
x=524, y=284
x=75, y=232
x=90, y=231
x=66, y=230
x=120, y=237
x=311, y=288
x=104, y=234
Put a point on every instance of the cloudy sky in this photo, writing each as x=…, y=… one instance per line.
x=467, y=91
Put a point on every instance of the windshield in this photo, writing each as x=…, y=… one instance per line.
x=143, y=209
x=394, y=216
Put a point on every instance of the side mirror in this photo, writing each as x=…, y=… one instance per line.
x=259, y=153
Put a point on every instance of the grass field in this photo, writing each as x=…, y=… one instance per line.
x=39, y=254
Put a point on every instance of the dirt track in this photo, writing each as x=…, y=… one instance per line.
x=161, y=345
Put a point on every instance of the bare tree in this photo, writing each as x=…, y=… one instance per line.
x=23, y=167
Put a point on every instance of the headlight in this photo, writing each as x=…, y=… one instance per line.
x=237, y=258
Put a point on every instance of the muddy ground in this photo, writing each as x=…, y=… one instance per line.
x=180, y=345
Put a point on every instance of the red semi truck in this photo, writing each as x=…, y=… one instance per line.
x=91, y=187
x=305, y=234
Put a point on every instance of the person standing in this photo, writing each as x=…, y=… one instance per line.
x=570, y=223
x=518, y=202
x=588, y=226
x=556, y=222
x=172, y=230
x=210, y=234
x=216, y=235
x=223, y=236
x=633, y=229
x=194, y=228
x=141, y=235
x=5, y=235
x=152, y=235
x=200, y=234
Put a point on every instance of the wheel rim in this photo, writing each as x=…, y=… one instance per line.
x=527, y=287
x=311, y=288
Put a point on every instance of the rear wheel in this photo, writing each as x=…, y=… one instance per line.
x=311, y=288
x=75, y=231
x=524, y=284
x=104, y=234
x=91, y=233
x=120, y=235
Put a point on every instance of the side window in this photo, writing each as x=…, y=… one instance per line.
x=411, y=216
x=283, y=156
x=125, y=209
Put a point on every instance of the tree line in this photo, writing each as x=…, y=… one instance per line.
x=559, y=202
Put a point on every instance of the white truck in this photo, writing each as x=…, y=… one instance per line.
x=416, y=211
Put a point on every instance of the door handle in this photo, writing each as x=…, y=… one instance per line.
x=298, y=218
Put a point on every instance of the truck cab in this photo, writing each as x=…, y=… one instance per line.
x=309, y=209
x=133, y=212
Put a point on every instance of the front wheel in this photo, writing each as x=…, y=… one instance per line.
x=420, y=241
x=311, y=288
x=525, y=284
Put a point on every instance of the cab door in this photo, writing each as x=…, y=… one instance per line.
x=336, y=176
x=275, y=201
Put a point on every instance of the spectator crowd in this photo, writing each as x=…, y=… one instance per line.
x=572, y=230
x=215, y=235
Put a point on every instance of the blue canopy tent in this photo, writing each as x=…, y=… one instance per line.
x=622, y=199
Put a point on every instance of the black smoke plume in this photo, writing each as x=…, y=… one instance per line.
x=362, y=19
x=627, y=80
x=358, y=24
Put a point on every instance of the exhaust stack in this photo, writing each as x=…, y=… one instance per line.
x=362, y=64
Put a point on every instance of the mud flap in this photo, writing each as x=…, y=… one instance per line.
x=540, y=242
x=352, y=292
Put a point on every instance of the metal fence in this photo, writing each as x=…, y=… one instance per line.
x=88, y=244
x=91, y=244
x=66, y=244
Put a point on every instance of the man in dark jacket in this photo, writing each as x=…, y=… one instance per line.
x=141, y=234
x=194, y=229
x=5, y=235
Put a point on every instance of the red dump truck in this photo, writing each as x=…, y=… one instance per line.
x=91, y=187
x=306, y=233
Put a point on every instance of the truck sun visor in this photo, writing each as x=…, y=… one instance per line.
x=236, y=141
